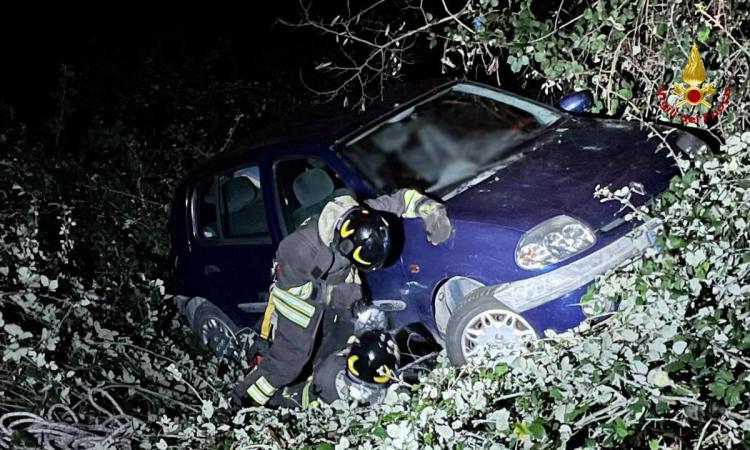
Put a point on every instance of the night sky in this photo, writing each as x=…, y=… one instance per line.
x=252, y=45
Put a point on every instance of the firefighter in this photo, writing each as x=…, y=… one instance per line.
x=316, y=268
x=356, y=369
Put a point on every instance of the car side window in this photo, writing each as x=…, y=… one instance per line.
x=243, y=213
x=304, y=186
x=204, y=210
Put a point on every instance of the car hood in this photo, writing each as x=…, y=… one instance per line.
x=558, y=172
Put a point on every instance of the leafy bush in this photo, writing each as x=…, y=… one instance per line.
x=88, y=335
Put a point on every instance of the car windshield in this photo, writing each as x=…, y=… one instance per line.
x=447, y=140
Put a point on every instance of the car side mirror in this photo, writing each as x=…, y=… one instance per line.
x=577, y=102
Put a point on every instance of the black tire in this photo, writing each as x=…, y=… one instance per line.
x=210, y=317
x=474, y=304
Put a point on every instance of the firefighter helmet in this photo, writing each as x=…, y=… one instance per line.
x=373, y=358
x=363, y=236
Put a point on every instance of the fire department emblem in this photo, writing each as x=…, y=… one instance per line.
x=693, y=93
x=693, y=90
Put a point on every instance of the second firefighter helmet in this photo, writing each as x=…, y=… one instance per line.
x=373, y=358
x=364, y=237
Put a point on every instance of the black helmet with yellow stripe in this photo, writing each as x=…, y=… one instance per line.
x=373, y=358
x=363, y=236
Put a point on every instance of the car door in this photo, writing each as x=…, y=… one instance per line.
x=235, y=246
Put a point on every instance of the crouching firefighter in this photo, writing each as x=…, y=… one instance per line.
x=361, y=371
x=316, y=268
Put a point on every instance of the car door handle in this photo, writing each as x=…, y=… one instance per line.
x=211, y=269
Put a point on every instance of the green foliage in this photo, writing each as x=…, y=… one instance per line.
x=84, y=320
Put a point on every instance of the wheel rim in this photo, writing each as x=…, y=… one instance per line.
x=217, y=336
x=496, y=328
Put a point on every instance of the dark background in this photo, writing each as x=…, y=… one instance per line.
x=111, y=45
x=212, y=42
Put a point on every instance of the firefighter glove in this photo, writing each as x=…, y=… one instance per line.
x=436, y=223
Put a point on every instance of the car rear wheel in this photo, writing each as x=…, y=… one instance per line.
x=483, y=323
x=215, y=330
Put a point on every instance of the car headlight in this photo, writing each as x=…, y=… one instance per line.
x=553, y=241
x=691, y=144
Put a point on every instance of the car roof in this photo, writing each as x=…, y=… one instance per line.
x=327, y=123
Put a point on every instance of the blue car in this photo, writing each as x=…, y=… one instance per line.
x=517, y=177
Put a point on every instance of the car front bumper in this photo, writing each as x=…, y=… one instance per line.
x=523, y=295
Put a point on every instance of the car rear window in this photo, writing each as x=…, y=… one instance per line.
x=240, y=206
x=205, y=211
x=243, y=211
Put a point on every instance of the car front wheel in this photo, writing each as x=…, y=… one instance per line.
x=214, y=329
x=483, y=323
